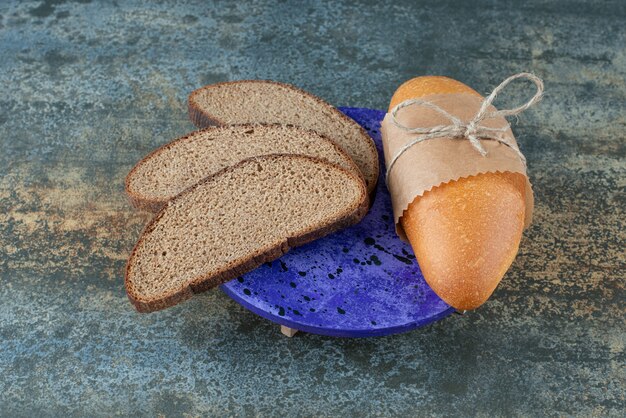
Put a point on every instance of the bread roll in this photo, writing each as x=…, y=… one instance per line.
x=465, y=233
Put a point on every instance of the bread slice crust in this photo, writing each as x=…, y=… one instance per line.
x=232, y=269
x=202, y=118
x=152, y=204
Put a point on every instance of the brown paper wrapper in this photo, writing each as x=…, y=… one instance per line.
x=437, y=161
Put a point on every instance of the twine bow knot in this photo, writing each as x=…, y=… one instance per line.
x=473, y=131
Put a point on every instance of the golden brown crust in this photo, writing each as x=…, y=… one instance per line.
x=202, y=119
x=146, y=203
x=209, y=281
x=465, y=233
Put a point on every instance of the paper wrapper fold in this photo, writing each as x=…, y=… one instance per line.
x=437, y=161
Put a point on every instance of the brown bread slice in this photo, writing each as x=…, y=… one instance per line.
x=237, y=219
x=261, y=101
x=185, y=161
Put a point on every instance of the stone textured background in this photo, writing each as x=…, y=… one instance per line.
x=90, y=87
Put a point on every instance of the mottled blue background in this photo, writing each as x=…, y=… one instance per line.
x=90, y=87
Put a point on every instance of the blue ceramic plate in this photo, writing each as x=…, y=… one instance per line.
x=359, y=282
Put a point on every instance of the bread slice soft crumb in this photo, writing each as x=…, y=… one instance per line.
x=237, y=219
x=261, y=101
x=185, y=161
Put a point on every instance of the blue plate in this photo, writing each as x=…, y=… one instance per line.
x=360, y=282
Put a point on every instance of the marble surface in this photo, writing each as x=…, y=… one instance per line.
x=90, y=87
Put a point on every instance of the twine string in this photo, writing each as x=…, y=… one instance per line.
x=473, y=131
